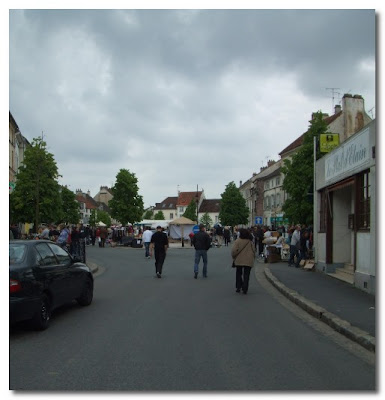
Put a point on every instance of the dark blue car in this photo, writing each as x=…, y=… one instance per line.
x=42, y=277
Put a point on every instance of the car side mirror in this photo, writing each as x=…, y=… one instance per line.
x=77, y=259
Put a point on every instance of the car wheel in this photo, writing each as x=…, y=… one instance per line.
x=41, y=319
x=85, y=299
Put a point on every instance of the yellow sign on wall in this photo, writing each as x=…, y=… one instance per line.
x=328, y=141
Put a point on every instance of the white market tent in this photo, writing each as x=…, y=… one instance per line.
x=100, y=223
x=181, y=227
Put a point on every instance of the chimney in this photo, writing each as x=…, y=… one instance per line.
x=89, y=193
x=240, y=183
x=337, y=108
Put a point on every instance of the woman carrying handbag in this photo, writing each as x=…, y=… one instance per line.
x=243, y=254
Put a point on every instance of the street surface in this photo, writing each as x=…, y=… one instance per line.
x=142, y=333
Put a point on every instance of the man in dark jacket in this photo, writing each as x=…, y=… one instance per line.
x=202, y=243
x=159, y=242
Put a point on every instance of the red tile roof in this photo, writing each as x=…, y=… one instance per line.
x=88, y=200
x=184, y=198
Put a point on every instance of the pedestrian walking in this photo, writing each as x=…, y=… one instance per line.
x=202, y=244
x=146, y=237
x=295, y=245
x=259, y=235
x=226, y=235
x=243, y=254
x=103, y=236
x=159, y=243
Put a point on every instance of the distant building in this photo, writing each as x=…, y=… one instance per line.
x=212, y=207
x=266, y=194
x=168, y=207
x=175, y=207
x=86, y=205
x=104, y=195
x=17, y=146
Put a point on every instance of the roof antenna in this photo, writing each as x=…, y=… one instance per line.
x=333, y=93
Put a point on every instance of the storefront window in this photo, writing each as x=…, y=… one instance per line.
x=363, y=211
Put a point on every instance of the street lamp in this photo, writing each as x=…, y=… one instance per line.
x=197, y=201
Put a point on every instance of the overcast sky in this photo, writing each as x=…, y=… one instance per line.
x=180, y=97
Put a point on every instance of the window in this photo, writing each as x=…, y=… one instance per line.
x=44, y=255
x=171, y=216
x=181, y=209
x=278, y=199
x=363, y=206
x=61, y=254
x=16, y=253
x=278, y=181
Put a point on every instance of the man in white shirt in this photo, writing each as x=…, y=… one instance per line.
x=146, y=237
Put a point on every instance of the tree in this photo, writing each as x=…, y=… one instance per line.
x=103, y=216
x=70, y=207
x=36, y=197
x=99, y=215
x=206, y=220
x=148, y=214
x=191, y=211
x=159, y=215
x=126, y=205
x=93, y=218
x=234, y=210
x=299, y=175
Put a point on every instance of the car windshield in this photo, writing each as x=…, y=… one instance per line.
x=16, y=253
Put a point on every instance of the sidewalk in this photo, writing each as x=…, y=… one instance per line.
x=347, y=309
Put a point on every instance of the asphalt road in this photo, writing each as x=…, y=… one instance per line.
x=172, y=334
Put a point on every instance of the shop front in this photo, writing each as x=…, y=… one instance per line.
x=345, y=209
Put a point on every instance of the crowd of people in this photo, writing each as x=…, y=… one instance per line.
x=247, y=243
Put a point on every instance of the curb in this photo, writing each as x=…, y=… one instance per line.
x=92, y=266
x=345, y=328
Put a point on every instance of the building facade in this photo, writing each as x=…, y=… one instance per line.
x=104, y=195
x=345, y=209
x=17, y=146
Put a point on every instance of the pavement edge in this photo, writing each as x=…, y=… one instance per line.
x=345, y=328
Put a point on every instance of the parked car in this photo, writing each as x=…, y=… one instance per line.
x=42, y=277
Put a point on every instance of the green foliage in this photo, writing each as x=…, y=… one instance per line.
x=99, y=215
x=126, y=205
x=36, y=197
x=93, y=218
x=148, y=214
x=299, y=176
x=234, y=210
x=191, y=211
x=103, y=216
x=206, y=220
x=70, y=207
x=159, y=216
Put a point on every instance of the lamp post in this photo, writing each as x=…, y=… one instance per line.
x=197, y=201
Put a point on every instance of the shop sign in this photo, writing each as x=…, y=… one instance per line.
x=12, y=186
x=329, y=141
x=349, y=155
